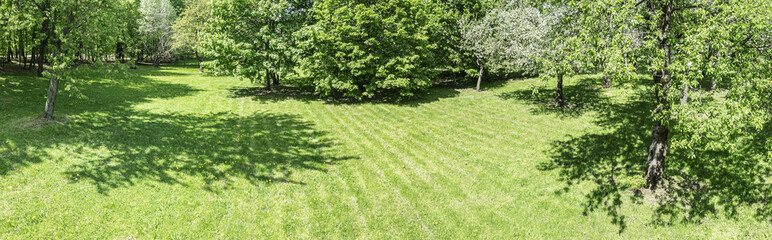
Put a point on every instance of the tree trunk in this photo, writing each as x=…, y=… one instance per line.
x=275, y=79
x=48, y=113
x=23, y=58
x=559, y=92
x=685, y=95
x=712, y=78
x=655, y=164
x=44, y=44
x=267, y=81
x=200, y=62
x=480, y=74
x=606, y=81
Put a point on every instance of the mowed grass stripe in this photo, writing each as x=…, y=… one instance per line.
x=385, y=167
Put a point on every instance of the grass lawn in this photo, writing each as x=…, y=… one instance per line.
x=172, y=154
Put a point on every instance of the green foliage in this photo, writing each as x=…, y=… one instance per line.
x=361, y=48
x=190, y=25
x=449, y=55
x=253, y=39
x=719, y=156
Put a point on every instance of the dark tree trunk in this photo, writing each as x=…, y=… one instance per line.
x=48, y=113
x=23, y=58
x=655, y=164
x=480, y=74
x=268, y=81
x=45, y=29
x=275, y=79
x=559, y=92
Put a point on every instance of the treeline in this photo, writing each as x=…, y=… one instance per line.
x=355, y=49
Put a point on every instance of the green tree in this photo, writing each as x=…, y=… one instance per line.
x=722, y=142
x=254, y=39
x=360, y=48
x=190, y=26
x=59, y=30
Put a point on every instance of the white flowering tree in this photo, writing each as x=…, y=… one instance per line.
x=517, y=36
x=155, y=24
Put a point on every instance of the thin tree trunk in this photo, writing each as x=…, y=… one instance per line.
x=44, y=44
x=275, y=79
x=267, y=81
x=480, y=74
x=200, y=62
x=712, y=78
x=559, y=92
x=48, y=113
x=23, y=59
x=685, y=95
x=606, y=81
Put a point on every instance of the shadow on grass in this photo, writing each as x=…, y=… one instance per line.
x=614, y=160
x=581, y=97
x=215, y=148
x=112, y=145
x=282, y=93
x=721, y=180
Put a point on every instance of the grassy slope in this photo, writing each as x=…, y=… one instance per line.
x=170, y=153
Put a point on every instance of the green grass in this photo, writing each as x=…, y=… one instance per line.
x=170, y=153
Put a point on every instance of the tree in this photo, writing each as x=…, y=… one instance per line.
x=189, y=27
x=57, y=31
x=361, y=48
x=516, y=35
x=156, y=27
x=675, y=34
x=254, y=39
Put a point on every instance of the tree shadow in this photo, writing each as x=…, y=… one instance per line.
x=217, y=148
x=284, y=92
x=580, y=98
x=114, y=145
x=724, y=180
x=277, y=94
x=613, y=158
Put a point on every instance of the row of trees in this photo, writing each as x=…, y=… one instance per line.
x=351, y=48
